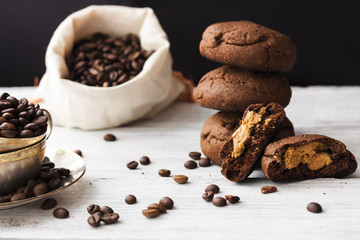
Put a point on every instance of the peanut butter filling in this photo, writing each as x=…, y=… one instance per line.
x=243, y=132
x=313, y=154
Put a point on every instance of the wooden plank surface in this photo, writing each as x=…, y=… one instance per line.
x=167, y=139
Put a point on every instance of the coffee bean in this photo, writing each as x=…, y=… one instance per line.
x=314, y=207
x=40, y=121
x=17, y=197
x=32, y=126
x=181, y=179
x=164, y=172
x=40, y=189
x=48, y=204
x=49, y=175
x=26, y=133
x=130, y=199
x=229, y=126
x=8, y=133
x=109, y=137
x=219, y=201
x=190, y=164
x=4, y=199
x=167, y=202
x=64, y=172
x=54, y=183
x=132, y=165
x=195, y=155
x=208, y=196
x=110, y=218
x=94, y=220
x=204, y=162
x=61, y=213
x=159, y=206
x=2, y=120
x=232, y=199
x=48, y=164
x=151, y=213
x=93, y=208
x=7, y=126
x=212, y=188
x=268, y=189
x=78, y=152
x=4, y=96
x=106, y=209
x=144, y=160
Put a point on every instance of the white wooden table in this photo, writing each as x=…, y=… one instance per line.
x=167, y=139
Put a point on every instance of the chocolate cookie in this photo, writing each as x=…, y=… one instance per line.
x=242, y=152
x=248, y=45
x=233, y=90
x=219, y=127
x=307, y=156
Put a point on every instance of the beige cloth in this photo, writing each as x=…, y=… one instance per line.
x=76, y=105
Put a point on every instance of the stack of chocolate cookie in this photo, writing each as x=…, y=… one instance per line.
x=253, y=56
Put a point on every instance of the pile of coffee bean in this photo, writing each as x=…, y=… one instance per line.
x=211, y=190
x=101, y=214
x=106, y=61
x=48, y=179
x=154, y=209
x=20, y=119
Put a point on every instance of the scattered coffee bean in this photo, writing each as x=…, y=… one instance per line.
x=106, y=209
x=151, y=213
x=314, y=207
x=93, y=208
x=167, y=202
x=78, y=152
x=208, y=196
x=130, y=199
x=232, y=199
x=204, y=162
x=164, y=172
x=132, y=165
x=94, y=219
x=109, y=137
x=61, y=213
x=195, y=155
x=190, y=164
x=48, y=204
x=17, y=197
x=268, y=189
x=159, y=206
x=219, y=201
x=144, y=160
x=181, y=179
x=40, y=188
x=110, y=218
x=212, y=188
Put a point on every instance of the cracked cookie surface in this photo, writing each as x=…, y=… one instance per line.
x=248, y=45
x=234, y=89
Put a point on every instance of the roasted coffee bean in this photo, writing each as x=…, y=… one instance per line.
x=32, y=126
x=144, y=160
x=40, y=188
x=151, y=213
x=181, y=179
x=64, y=172
x=7, y=126
x=219, y=201
x=48, y=204
x=26, y=133
x=14, y=101
x=268, y=189
x=20, y=189
x=204, y=162
x=54, y=183
x=110, y=218
x=61, y=213
x=159, y=206
x=46, y=160
x=48, y=164
x=106, y=209
x=4, y=96
x=7, y=116
x=130, y=199
x=4, y=199
x=8, y=133
x=167, y=202
x=94, y=219
x=132, y=165
x=229, y=126
x=109, y=137
x=164, y=172
x=31, y=183
x=232, y=199
x=190, y=164
x=195, y=155
x=2, y=120
x=212, y=188
x=49, y=175
x=208, y=196
x=93, y=208
x=78, y=152
x=314, y=207
x=41, y=120
x=17, y=197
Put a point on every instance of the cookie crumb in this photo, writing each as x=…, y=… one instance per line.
x=268, y=189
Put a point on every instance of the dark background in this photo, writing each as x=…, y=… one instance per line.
x=326, y=33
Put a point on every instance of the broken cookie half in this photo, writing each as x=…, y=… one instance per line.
x=241, y=153
x=307, y=156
